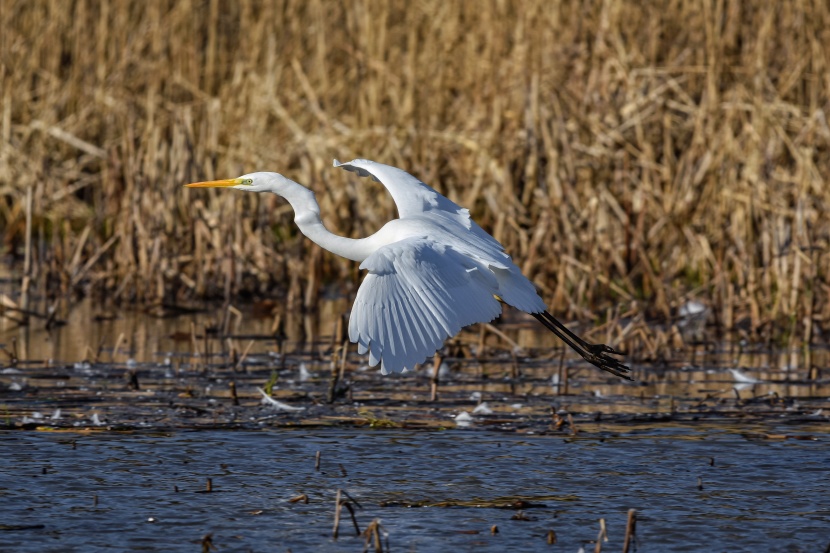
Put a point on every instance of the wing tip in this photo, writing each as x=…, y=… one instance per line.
x=357, y=162
x=357, y=166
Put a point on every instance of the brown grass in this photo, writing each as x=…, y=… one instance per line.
x=626, y=153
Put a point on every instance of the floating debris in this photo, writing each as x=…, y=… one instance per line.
x=481, y=409
x=743, y=378
x=268, y=400
x=463, y=419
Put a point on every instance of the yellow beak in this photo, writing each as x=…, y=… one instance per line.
x=215, y=183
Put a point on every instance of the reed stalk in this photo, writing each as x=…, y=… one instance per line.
x=626, y=153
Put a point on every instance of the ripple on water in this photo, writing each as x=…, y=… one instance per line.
x=112, y=492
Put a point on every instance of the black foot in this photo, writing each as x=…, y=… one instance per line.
x=596, y=355
x=599, y=349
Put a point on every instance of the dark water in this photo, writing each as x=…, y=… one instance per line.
x=757, y=494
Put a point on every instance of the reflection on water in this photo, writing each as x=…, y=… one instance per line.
x=694, y=490
x=146, y=336
x=207, y=368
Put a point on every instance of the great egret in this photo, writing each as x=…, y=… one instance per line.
x=432, y=271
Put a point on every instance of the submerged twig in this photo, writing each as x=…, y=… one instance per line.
x=436, y=371
x=551, y=537
x=244, y=355
x=207, y=543
x=630, y=529
x=234, y=395
x=372, y=535
x=337, y=507
x=601, y=537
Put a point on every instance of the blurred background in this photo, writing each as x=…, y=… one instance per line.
x=638, y=159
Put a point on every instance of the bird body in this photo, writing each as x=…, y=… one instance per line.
x=431, y=272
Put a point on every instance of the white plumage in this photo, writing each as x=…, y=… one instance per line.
x=431, y=272
x=418, y=293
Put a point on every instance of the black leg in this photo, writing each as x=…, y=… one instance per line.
x=596, y=354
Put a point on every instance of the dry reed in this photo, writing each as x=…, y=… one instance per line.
x=627, y=153
x=630, y=529
x=601, y=537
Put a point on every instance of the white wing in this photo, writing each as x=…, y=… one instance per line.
x=416, y=200
x=412, y=197
x=417, y=294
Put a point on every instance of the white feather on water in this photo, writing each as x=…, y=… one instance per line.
x=739, y=376
x=482, y=409
x=463, y=419
x=268, y=400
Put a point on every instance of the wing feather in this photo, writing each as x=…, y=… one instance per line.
x=401, y=330
x=411, y=196
x=406, y=314
x=417, y=294
x=432, y=332
x=414, y=199
x=428, y=327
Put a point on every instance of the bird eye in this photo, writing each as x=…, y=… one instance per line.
x=249, y=182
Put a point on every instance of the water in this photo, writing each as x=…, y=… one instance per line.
x=138, y=371
x=695, y=489
x=722, y=448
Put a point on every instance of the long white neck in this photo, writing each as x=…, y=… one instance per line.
x=307, y=218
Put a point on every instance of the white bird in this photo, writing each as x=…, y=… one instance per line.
x=432, y=271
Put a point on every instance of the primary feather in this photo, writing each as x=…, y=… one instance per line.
x=418, y=293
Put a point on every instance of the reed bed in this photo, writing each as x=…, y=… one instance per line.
x=630, y=155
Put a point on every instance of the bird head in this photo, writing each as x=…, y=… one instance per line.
x=252, y=182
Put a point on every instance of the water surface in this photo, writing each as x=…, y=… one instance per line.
x=704, y=489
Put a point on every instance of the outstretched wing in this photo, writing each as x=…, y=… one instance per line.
x=411, y=196
x=417, y=294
